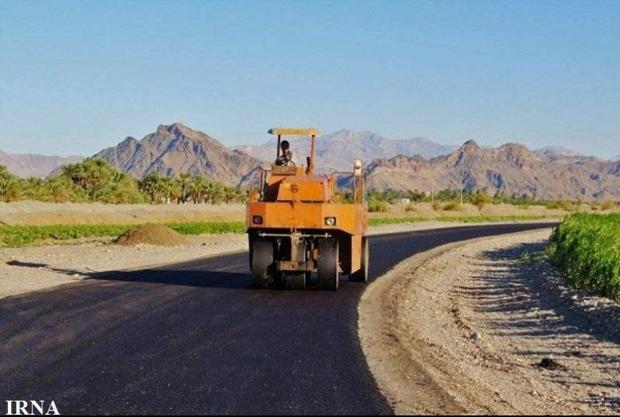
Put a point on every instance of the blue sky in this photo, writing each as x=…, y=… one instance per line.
x=79, y=76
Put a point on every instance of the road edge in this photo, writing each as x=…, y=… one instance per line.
x=392, y=367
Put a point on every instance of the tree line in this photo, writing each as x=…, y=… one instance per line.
x=94, y=180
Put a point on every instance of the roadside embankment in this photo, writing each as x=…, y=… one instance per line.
x=489, y=326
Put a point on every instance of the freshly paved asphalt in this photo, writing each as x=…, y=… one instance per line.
x=195, y=338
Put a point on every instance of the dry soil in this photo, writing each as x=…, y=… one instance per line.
x=489, y=327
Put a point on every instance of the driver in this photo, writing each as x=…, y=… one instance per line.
x=286, y=157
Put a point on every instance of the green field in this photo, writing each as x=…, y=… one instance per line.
x=16, y=236
x=587, y=249
x=378, y=221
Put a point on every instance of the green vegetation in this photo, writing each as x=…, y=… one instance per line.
x=562, y=205
x=377, y=206
x=210, y=228
x=378, y=221
x=451, y=206
x=93, y=180
x=16, y=236
x=586, y=247
x=479, y=198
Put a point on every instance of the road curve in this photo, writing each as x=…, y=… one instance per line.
x=195, y=338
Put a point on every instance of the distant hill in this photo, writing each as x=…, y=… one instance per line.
x=553, y=153
x=337, y=151
x=510, y=168
x=30, y=165
x=176, y=148
x=417, y=163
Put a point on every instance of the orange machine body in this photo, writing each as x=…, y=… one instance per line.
x=298, y=224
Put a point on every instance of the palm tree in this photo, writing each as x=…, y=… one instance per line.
x=11, y=187
x=156, y=186
x=62, y=190
x=216, y=193
x=184, y=181
x=91, y=175
x=173, y=191
x=197, y=189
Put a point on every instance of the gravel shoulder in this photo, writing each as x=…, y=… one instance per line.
x=488, y=327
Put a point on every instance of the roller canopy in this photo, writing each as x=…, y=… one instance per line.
x=290, y=131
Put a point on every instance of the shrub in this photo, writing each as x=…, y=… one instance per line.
x=608, y=205
x=377, y=206
x=481, y=199
x=561, y=205
x=452, y=206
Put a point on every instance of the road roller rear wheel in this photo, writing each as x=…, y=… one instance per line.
x=329, y=275
x=295, y=281
x=263, y=271
x=362, y=274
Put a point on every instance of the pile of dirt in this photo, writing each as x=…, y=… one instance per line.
x=152, y=234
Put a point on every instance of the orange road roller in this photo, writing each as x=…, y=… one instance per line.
x=302, y=232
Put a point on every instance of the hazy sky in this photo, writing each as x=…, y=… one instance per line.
x=78, y=76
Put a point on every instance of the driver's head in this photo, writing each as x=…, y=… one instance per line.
x=285, y=145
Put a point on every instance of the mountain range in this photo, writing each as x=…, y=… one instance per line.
x=30, y=165
x=337, y=151
x=417, y=163
x=511, y=168
x=175, y=149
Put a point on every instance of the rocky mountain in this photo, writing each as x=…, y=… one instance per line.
x=336, y=151
x=177, y=149
x=553, y=153
x=30, y=165
x=511, y=168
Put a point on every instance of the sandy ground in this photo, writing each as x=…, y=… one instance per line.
x=489, y=328
x=426, y=210
x=40, y=213
x=39, y=267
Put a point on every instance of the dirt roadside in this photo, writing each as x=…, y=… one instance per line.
x=488, y=327
x=39, y=267
x=33, y=213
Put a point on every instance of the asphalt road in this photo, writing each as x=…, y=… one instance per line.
x=195, y=338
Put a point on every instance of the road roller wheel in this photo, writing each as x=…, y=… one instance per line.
x=263, y=273
x=295, y=281
x=329, y=275
x=362, y=274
